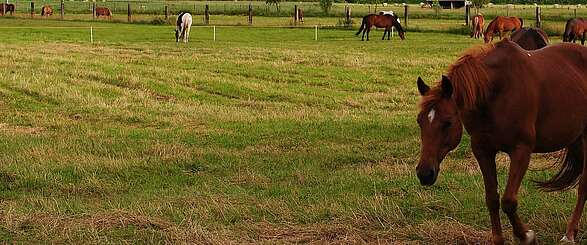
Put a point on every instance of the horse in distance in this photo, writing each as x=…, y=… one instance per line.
x=385, y=21
x=575, y=29
x=478, y=25
x=183, y=26
x=7, y=7
x=46, y=10
x=530, y=38
x=500, y=25
x=103, y=11
x=514, y=101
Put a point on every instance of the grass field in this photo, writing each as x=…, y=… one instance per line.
x=263, y=136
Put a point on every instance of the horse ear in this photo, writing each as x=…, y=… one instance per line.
x=422, y=87
x=446, y=86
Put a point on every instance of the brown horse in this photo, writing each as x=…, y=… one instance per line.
x=500, y=25
x=382, y=21
x=478, y=25
x=47, y=10
x=301, y=15
x=575, y=28
x=103, y=11
x=514, y=101
x=5, y=8
x=530, y=38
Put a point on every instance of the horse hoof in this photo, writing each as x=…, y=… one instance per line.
x=565, y=239
x=530, y=238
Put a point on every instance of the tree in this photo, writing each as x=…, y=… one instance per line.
x=326, y=5
x=273, y=2
x=480, y=3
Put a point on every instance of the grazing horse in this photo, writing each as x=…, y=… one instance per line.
x=47, y=10
x=382, y=21
x=389, y=12
x=300, y=15
x=103, y=11
x=5, y=8
x=514, y=101
x=501, y=25
x=575, y=28
x=182, y=29
x=530, y=38
x=478, y=25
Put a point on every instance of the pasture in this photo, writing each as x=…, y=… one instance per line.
x=263, y=136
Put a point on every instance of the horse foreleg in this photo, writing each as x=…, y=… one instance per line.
x=520, y=158
x=364, y=31
x=389, y=33
x=486, y=160
x=368, y=30
x=577, y=151
x=384, y=33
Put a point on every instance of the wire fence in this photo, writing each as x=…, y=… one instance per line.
x=158, y=9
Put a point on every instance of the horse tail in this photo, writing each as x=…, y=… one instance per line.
x=362, y=26
x=570, y=172
x=521, y=22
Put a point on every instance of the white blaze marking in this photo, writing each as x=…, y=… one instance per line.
x=431, y=115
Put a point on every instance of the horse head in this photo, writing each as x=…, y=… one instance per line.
x=398, y=26
x=440, y=128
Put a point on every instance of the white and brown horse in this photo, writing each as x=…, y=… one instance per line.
x=182, y=29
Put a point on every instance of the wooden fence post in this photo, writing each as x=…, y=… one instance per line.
x=129, y=12
x=467, y=14
x=575, y=12
x=347, y=15
x=62, y=11
x=93, y=10
x=405, y=15
x=538, y=19
x=167, y=12
x=250, y=14
x=207, y=15
x=295, y=14
x=32, y=9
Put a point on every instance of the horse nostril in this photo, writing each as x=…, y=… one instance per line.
x=427, y=177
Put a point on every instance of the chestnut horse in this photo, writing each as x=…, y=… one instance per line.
x=103, y=11
x=47, y=10
x=500, y=25
x=530, y=38
x=478, y=25
x=514, y=101
x=574, y=29
x=382, y=21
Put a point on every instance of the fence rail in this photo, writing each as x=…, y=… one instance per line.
x=166, y=10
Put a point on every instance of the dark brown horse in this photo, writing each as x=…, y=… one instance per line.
x=5, y=8
x=385, y=21
x=501, y=25
x=514, y=101
x=575, y=28
x=103, y=11
x=530, y=38
x=47, y=10
x=478, y=25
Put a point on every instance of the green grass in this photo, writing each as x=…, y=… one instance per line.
x=264, y=135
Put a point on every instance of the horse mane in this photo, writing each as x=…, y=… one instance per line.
x=490, y=27
x=469, y=80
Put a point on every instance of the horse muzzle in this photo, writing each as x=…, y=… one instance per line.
x=427, y=176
